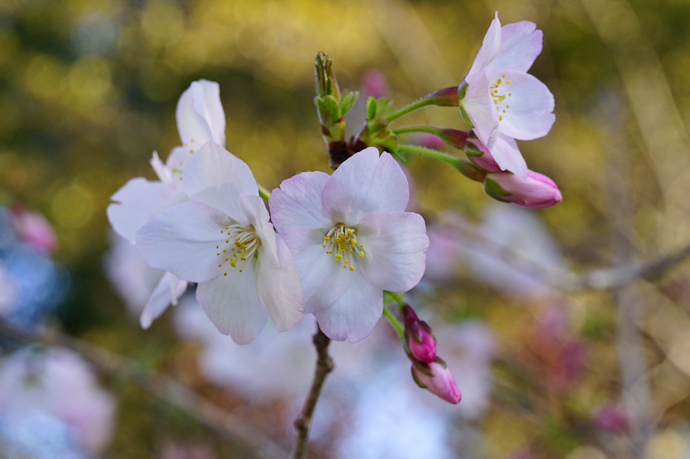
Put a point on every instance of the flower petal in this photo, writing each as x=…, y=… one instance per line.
x=182, y=239
x=254, y=208
x=395, y=246
x=323, y=279
x=521, y=43
x=212, y=166
x=167, y=291
x=478, y=105
x=137, y=202
x=365, y=182
x=507, y=155
x=224, y=197
x=530, y=105
x=297, y=203
x=176, y=161
x=200, y=115
x=279, y=288
x=355, y=313
x=489, y=50
x=233, y=305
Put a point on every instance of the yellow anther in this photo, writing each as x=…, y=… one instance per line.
x=500, y=118
x=361, y=254
x=327, y=238
x=504, y=75
x=324, y=246
x=352, y=268
x=509, y=82
x=225, y=274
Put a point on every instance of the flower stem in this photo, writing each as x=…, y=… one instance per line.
x=394, y=322
x=264, y=193
x=435, y=154
x=324, y=365
x=423, y=102
x=429, y=129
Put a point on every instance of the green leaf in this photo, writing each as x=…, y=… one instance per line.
x=329, y=109
x=347, y=101
x=371, y=108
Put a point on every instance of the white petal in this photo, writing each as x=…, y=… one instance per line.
x=200, y=115
x=176, y=161
x=520, y=46
x=167, y=291
x=355, y=314
x=279, y=288
x=224, y=197
x=182, y=239
x=233, y=305
x=480, y=108
x=137, y=202
x=508, y=156
x=162, y=172
x=323, y=278
x=255, y=210
x=365, y=182
x=297, y=203
x=212, y=166
x=489, y=50
x=394, y=249
x=531, y=103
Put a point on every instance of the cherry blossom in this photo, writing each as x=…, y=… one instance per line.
x=502, y=101
x=223, y=240
x=351, y=239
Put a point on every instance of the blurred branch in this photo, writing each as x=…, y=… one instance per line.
x=324, y=365
x=593, y=279
x=256, y=444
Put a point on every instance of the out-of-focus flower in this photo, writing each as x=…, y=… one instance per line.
x=437, y=378
x=611, y=417
x=535, y=191
x=174, y=450
x=222, y=239
x=501, y=100
x=351, y=240
x=8, y=293
x=37, y=435
x=58, y=382
x=374, y=84
x=419, y=339
x=33, y=229
x=446, y=248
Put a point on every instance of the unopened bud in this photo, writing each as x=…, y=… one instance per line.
x=533, y=192
x=447, y=97
x=419, y=339
x=437, y=379
x=454, y=138
x=477, y=152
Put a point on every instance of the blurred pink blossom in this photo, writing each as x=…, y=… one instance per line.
x=33, y=229
x=374, y=84
x=612, y=417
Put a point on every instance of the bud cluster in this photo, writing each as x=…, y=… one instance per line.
x=428, y=370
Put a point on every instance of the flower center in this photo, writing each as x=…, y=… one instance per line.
x=341, y=242
x=239, y=246
x=500, y=91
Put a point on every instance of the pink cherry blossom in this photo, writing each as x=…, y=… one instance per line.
x=351, y=239
x=502, y=101
x=223, y=240
x=34, y=229
x=535, y=191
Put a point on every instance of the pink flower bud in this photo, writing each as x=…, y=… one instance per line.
x=419, y=339
x=374, y=84
x=533, y=192
x=34, y=229
x=477, y=152
x=446, y=97
x=611, y=417
x=436, y=378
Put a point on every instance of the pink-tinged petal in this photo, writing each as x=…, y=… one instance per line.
x=521, y=43
x=167, y=291
x=200, y=115
x=257, y=216
x=365, y=182
x=212, y=166
x=279, y=288
x=355, y=314
x=440, y=382
x=233, y=304
x=182, y=240
x=137, y=202
x=536, y=191
x=528, y=106
x=508, y=156
x=489, y=50
x=224, y=197
x=395, y=246
x=481, y=110
x=297, y=203
x=323, y=279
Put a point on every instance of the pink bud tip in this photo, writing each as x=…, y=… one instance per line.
x=436, y=378
x=419, y=339
x=533, y=192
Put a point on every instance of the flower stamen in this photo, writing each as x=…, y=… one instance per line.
x=342, y=240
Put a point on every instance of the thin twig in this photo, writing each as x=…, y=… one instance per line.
x=569, y=281
x=324, y=365
x=253, y=441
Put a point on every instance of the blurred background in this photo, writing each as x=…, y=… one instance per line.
x=548, y=367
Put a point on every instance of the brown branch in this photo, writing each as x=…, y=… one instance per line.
x=324, y=365
x=256, y=444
